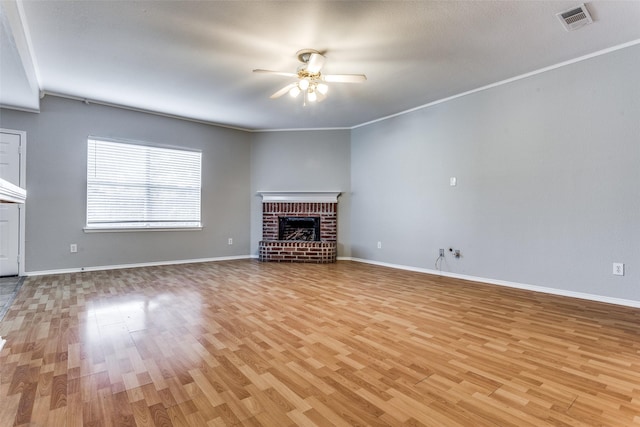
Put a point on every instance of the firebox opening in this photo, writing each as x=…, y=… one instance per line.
x=299, y=228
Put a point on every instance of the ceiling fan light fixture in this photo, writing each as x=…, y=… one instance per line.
x=312, y=97
x=323, y=88
x=303, y=84
x=294, y=92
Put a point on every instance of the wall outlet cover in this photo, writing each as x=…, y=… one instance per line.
x=618, y=269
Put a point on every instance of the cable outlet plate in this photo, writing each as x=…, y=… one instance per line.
x=441, y=252
x=618, y=269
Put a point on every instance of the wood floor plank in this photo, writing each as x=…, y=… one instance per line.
x=263, y=344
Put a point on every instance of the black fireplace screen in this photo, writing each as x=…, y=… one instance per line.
x=299, y=228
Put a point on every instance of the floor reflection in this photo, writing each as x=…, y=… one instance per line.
x=9, y=287
x=110, y=320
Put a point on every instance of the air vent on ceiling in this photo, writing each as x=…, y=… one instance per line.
x=575, y=18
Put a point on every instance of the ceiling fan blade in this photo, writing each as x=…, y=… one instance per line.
x=277, y=73
x=344, y=78
x=316, y=61
x=284, y=90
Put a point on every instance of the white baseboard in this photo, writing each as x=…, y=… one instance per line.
x=553, y=291
x=142, y=264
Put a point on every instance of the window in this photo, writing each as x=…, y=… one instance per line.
x=133, y=186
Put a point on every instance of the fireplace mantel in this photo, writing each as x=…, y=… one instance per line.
x=300, y=196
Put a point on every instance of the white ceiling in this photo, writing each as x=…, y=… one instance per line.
x=194, y=59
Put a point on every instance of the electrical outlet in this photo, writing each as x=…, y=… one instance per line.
x=379, y=245
x=230, y=241
x=618, y=269
x=73, y=248
x=441, y=252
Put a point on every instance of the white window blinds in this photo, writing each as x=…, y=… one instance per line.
x=138, y=186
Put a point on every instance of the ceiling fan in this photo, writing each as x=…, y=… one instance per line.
x=310, y=81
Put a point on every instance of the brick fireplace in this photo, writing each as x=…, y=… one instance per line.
x=299, y=227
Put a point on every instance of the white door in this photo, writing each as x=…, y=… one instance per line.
x=9, y=212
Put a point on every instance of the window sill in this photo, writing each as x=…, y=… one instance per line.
x=137, y=229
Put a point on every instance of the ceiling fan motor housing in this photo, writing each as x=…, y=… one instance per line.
x=304, y=55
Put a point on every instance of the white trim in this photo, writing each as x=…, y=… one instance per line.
x=137, y=265
x=137, y=229
x=534, y=288
x=300, y=196
x=300, y=129
x=503, y=82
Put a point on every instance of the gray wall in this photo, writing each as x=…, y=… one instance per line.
x=301, y=161
x=56, y=187
x=548, y=171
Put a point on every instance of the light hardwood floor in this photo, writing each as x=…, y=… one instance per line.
x=248, y=343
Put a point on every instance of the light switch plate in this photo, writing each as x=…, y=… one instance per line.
x=453, y=181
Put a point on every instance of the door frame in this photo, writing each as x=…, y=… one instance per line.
x=23, y=184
